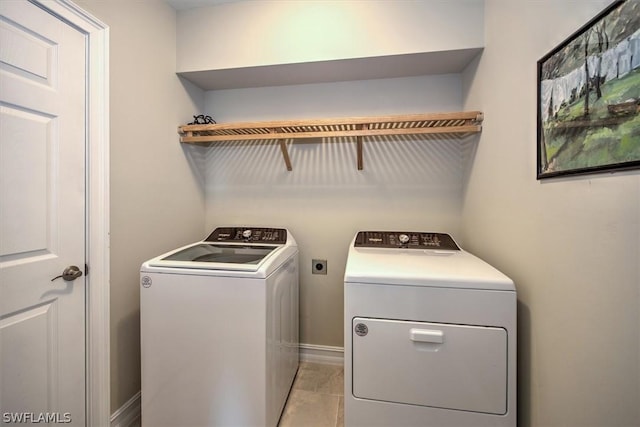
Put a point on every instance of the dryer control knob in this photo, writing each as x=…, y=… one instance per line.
x=403, y=238
x=246, y=234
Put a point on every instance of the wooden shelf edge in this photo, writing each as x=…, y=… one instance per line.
x=463, y=123
x=332, y=134
x=473, y=116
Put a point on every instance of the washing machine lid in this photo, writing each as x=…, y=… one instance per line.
x=229, y=249
x=217, y=256
x=388, y=261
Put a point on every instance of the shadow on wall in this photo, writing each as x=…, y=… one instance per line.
x=127, y=340
x=524, y=365
x=196, y=156
x=400, y=160
x=196, y=95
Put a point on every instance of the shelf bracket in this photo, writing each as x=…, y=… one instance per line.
x=285, y=152
x=359, y=146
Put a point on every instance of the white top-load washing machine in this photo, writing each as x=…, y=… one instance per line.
x=219, y=330
x=430, y=334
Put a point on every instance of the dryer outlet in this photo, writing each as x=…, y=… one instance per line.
x=319, y=266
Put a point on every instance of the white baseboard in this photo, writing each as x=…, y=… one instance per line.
x=321, y=354
x=128, y=415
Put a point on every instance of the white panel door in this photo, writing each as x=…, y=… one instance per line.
x=42, y=217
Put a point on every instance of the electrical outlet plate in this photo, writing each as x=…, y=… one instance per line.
x=319, y=266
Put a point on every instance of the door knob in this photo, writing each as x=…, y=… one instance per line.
x=69, y=274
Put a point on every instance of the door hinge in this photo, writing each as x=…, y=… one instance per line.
x=86, y=270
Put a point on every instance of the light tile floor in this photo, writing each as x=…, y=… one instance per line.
x=316, y=398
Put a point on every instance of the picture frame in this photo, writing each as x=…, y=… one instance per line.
x=589, y=97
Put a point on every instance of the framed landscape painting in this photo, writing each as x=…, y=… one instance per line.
x=589, y=97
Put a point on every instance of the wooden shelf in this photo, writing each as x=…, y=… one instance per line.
x=459, y=123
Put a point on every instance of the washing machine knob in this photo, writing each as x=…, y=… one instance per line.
x=403, y=238
x=246, y=234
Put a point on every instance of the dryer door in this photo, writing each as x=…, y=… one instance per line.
x=430, y=364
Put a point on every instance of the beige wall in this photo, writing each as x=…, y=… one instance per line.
x=156, y=199
x=572, y=245
x=407, y=183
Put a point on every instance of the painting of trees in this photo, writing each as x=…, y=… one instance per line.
x=589, y=96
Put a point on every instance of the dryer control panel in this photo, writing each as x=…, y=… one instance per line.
x=405, y=239
x=248, y=234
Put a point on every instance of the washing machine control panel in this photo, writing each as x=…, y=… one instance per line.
x=405, y=239
x=248, y=234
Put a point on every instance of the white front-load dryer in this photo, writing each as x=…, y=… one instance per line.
x=430, y=334
x=219, y=330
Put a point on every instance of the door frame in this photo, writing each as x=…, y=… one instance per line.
x=97, y=397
